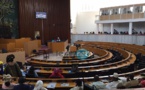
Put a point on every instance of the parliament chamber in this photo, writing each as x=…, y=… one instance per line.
x=104, y=53
x=112, y=57
x=123, y=63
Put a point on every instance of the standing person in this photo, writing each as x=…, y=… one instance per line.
x=67, y=47
x=12, y=68
x=39, y=85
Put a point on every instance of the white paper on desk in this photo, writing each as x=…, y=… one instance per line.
x=64, y=84
x=37, y=70
x=28, y=67
x=51, y=85
x=105, y=81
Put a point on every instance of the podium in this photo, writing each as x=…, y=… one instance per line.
x=58, y=46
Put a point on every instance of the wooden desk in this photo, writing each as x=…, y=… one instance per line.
x=73, y=49
x=58, y=84
x=50, y=71
x=10, y=47
x=71, y=82
x=19, y=56
x=45, y=52
x=58, y=46
x=104, y=57
x=95, y=68
x=30, y=46
x=43, y=62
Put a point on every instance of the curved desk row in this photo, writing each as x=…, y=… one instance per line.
x=71, y=81
x=137, y=48
x=86, y=70
x=93, y=50
x=68, y=63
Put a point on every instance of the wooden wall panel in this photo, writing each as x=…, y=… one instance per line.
x=56, y=24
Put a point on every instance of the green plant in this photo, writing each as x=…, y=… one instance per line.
x=6, y=9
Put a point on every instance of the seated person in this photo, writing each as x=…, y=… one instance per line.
x=23, y=70
x=90, y=55
x=4, y=50
x=12, y=68
x=1, y=68
x=57, y=73
x=131, y=82
x=74, y=68
x=7, y=82
x=88, y=87
x=78, y=86
x=39, y=85
x=142, y=80
x=34, y=53
x=97, y=83
x=115, y=81
x=22, y=85
x=37, y=37
x=31, y=73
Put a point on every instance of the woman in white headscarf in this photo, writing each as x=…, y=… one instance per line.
x=39, y=85
x=7, y=78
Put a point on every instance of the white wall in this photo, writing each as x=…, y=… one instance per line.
x=83, y=13
x=85, y=22
x=130, y=39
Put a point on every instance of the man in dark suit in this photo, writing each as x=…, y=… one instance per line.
x=21, y=85
x=67, y=47
x=77, y=46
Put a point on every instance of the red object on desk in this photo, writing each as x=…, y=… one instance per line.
x=57, y=73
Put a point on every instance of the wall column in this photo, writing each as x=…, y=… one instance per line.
x=97, y=28
x=112, y=28
x=130, y=28
x=102, y=28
